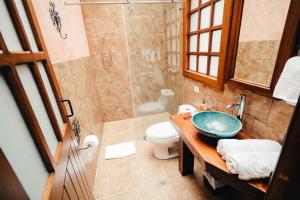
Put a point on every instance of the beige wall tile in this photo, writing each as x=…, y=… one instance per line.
x=138, y=9
x=136, y=71
x=115, y=25
x=107, y=10
x=114, y=44
x=93, y=45
x=261, y=130
x=280, y=115
x=89, y=24
x=256, y=60
x=87, y=11
x=84, y=100
x=248, y=122
x=257, y=106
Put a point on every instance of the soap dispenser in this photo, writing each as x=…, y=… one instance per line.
x=203, y=106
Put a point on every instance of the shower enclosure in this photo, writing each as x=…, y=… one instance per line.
x=137, y=50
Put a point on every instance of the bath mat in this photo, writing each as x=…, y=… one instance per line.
x=120, y=150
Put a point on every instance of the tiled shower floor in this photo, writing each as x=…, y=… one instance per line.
x=141, y=176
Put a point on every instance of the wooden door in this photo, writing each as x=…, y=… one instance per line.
x=39, y=155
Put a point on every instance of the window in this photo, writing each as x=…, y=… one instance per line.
x=206, y=30
x=173, y=29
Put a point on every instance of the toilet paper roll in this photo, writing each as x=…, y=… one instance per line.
x=91, y=140
x=88, y=155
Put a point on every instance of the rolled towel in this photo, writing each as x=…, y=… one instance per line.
x=252, y=165
x=248, y=145
x=288, y=85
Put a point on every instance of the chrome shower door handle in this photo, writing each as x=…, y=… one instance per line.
x=70, y=106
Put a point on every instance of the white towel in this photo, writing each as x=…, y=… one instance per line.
x=288, y=85
x=226, y=146
x=120, y=150
x=252, y=165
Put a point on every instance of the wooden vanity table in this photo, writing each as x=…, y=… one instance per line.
x=193, y=145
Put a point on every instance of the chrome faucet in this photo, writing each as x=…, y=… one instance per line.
x=239, y=106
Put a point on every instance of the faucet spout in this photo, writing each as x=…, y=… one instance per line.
x=240, y=106
x=228, y=107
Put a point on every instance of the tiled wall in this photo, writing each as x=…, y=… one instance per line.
x=263, y=117
x=263, y=20
x=107, y=42
x=76, y=79
x=256, y=60
x=135, y=71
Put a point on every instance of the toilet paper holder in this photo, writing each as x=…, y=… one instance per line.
x=84, y=148
x=90, y=142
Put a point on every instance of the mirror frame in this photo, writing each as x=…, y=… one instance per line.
x=289, y=45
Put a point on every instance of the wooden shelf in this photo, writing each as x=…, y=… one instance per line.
x=204, y=150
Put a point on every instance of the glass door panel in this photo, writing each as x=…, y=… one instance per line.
x=38, y=106
x=18, y=146
x=51, y=95
x=8, y=30
x=26, y=24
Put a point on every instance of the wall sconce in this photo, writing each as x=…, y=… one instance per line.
x=56, y=19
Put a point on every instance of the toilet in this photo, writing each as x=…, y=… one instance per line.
x=165, y=137
x=166, y=96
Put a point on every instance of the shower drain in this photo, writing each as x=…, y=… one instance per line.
x=162, y=182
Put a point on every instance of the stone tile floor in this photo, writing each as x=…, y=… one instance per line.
x=142, y=176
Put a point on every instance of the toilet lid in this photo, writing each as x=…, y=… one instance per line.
x=162, y=130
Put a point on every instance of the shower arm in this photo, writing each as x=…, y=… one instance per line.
x=124, y=2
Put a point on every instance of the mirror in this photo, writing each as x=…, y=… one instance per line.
x=264, y=34
x=261, y=29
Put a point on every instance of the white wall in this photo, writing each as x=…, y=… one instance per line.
x=60, y=50
x=263, y=19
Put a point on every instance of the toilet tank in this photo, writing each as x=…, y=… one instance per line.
x=165, y=95
x=185, y=108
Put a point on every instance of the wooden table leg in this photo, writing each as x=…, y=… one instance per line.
x=186, y=159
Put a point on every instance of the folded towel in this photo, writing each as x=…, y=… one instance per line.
x=252, y=165
x=120, y=150
x=226, y=146
x=288, y=85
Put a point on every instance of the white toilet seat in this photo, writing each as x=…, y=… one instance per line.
x=164, y=136
x=162, y=133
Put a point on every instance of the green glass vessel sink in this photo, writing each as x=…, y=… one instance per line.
x=216, y=124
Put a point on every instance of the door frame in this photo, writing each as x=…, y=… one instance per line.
x=285, y=181
x=56, y=165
